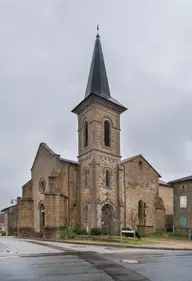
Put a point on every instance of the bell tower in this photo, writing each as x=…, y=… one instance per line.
x=99, y=148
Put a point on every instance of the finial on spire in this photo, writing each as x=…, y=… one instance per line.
x=97, y=31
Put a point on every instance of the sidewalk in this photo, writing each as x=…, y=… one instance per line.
x=162, y=244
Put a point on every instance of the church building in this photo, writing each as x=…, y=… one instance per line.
x=100, y=189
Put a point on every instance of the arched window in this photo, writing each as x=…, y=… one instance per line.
x=86, y=177
x=42, y=215
x=86, y=214
x=107, y=133
x=86, y=133
x=140, y=210
x=107, y=179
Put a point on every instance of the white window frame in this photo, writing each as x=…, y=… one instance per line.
x=183, y=201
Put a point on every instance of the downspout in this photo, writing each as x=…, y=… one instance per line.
x=173, y=210
x=125, y=219
x=69, y=196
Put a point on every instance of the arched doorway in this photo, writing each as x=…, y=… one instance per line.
x=107, y=219
x=42, y=215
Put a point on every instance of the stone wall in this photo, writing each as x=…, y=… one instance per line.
x=166, y=193
x=141, y=183
x=12, y=220
x=25, y=218
x=43, y=166
x=96, y=159
x=27, y=190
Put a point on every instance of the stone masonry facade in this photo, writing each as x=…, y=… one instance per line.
x=99, y=190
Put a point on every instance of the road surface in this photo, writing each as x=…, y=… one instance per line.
x=23, y=260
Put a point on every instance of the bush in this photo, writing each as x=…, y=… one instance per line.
x=80, y=231
x=96, y=231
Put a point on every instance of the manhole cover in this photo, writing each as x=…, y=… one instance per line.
x=130, y=261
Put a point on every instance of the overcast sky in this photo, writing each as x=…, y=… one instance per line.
x=45, y=54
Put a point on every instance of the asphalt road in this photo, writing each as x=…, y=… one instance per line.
x=51, y=261
x=158, y=265
x=25, y=261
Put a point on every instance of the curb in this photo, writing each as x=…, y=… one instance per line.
x=109, y=245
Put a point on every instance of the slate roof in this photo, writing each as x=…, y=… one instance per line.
x=98, y=84
x=181, y=180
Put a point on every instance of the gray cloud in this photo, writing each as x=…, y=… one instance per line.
x=45, y=55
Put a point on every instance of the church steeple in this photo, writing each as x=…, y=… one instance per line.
x=97, y=84
x=97, y=81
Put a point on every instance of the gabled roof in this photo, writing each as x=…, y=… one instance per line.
x=47, y=148
x=137, y=156
x=189, y=178
x=97, y=81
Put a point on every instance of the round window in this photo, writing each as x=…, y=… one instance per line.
x=41, y=185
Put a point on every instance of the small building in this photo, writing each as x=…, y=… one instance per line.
x=10, y=220
x=2, y=225
x=166, y=196
x=182, y=204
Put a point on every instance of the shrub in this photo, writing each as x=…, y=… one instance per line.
x=80, y=231
x=96, y=231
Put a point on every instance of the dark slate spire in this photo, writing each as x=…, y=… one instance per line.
x=97, y=81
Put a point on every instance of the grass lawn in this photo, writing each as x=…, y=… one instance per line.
x=124, y=242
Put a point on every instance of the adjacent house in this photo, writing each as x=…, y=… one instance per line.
x=11, y=219
x=182, y=204
x=166, y=196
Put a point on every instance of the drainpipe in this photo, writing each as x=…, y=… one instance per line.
x=125, y=199
x=69, y=196
x=173, y=210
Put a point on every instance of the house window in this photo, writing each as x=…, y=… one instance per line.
x=107, y=178
x=183, y=222
x=86, y=134
x=107, y=133
x=183, y=201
